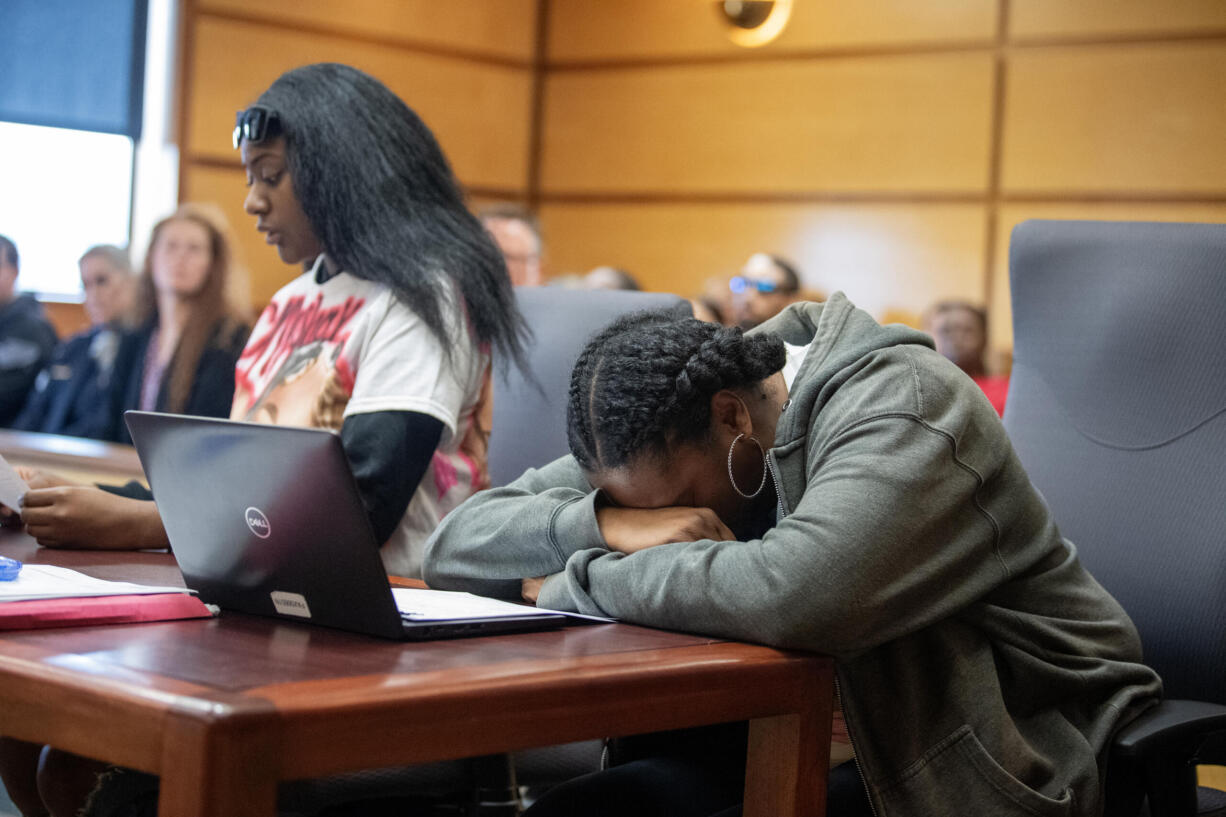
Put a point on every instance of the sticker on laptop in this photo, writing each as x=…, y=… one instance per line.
x=290, y=604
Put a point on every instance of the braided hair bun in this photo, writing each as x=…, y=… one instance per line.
x=645, y=383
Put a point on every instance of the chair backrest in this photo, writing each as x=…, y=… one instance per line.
x=529, y=422
x=1117, y=408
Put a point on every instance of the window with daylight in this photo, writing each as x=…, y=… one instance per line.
x=70, y=110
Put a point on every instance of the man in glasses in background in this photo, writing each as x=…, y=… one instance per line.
x=766, y=285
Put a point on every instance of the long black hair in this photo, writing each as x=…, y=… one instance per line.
x=644, y=384
x=382, y=199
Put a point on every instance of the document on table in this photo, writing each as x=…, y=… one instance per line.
x=447, y=605
x=51, y=582
x=12, y=486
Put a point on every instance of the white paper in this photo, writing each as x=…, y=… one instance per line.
x=446, y=605
x=51, y=582
x=12, y=486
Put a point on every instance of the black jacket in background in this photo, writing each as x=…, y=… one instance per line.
x=71, y=395
x=212, y=389
x=26, y=343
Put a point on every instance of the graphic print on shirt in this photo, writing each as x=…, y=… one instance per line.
x=292, y=371
x=345, y=345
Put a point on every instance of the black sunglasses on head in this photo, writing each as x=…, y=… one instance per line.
x=255, y=125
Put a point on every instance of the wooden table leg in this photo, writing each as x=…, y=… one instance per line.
x=218, y=768
x=789, y=756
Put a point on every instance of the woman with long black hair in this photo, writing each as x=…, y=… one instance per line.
x=386, y=336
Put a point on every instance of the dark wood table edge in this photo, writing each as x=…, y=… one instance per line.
x=208, y=744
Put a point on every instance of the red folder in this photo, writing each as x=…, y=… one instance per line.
x=79, y=612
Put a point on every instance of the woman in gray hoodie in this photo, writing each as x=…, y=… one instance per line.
x=829, y=484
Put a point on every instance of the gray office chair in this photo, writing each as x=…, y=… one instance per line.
x=530, y=431
x=1117, y=408
x=530, y=418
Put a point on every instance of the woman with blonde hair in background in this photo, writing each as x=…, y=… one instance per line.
x=193, y=312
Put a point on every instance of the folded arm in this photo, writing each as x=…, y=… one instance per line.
x=886, y=538
x=528, y=528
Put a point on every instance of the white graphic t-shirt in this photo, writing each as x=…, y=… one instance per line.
x=322, y=352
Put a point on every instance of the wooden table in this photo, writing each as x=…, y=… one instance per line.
x=72, y=457
x=224, y=709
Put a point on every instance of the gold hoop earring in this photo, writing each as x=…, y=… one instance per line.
x=732, y=479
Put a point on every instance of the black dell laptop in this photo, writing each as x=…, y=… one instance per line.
x=267, y=520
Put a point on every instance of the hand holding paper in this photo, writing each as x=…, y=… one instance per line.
x=12, y=487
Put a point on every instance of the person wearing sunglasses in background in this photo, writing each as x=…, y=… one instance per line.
x=766, y=285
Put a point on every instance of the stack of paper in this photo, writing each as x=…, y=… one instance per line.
x=447, y=605
x=51, y=582
x=50, y=596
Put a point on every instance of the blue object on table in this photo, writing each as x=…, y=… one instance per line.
x=9, y=568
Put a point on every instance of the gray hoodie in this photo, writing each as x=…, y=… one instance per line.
x=982, y=670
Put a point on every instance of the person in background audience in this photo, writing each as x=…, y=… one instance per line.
x=385, y=336
x=26, y=338
x=193, y=313
x=610, y=278
x=518, y=235
x=960, y=331
x=109, y=284
x=766, y=285
x=719, y=301
x=71, y=394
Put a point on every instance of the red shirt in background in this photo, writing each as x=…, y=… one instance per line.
x=996, y=388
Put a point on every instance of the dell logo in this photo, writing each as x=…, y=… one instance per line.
x=258, y=522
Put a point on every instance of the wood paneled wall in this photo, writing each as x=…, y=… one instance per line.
x=68, y=318
x=888, y=146
x=466, y=66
